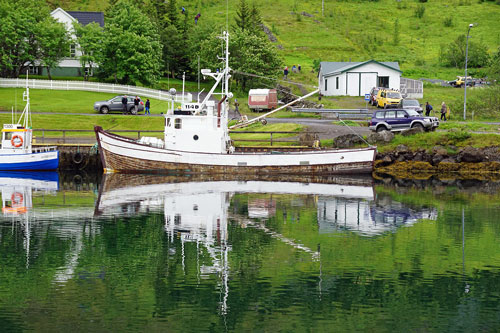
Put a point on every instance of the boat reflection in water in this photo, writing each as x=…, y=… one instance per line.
x=198, y=207
x=18, y=187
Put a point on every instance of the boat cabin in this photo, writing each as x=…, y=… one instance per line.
x=198, y=127
x=16, y=139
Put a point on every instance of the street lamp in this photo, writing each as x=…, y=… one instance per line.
x=465, y=81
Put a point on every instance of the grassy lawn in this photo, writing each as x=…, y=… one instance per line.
x=66, y=101
x=235, y=136
x=81, y=122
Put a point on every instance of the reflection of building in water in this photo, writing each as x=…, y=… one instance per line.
x=368, y=217
x=261, y=208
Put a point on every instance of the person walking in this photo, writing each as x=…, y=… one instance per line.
x=285, y=72
x=124, y=104
x=147, y=106
x=443, y=111
x=236, y=106
x=136, y=104
x=428, y=109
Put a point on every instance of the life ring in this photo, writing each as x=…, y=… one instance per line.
x=17, y=199
x=17, y=141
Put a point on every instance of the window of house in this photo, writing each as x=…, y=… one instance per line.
x=337, y=83
x=34, y=70
x=72, y=51
x=88, y=71
x=178, y=123
x=168, y=122
x=383, y=81
x=326, y=84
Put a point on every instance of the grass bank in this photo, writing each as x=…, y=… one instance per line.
x=448, y=139
x=62, y=101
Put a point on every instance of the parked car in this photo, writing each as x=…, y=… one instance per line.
x=373, y=95
x=115, y=104
x=387, y=98
x=399, y=120
x=410, y=104
x=460, y=81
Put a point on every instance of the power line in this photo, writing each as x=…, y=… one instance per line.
x=274, y=79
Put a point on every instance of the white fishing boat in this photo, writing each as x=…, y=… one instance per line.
x=17, y=152
x=197, y=140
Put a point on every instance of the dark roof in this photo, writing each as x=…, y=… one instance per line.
x=330, y=68
x=88, y=17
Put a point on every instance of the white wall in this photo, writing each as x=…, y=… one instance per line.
x=369, y=74
x=63, y=17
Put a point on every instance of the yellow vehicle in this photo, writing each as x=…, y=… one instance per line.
x=388, y=98
x=460, y=81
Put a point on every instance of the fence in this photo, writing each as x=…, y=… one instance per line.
x=274, y=136
x=94, y=86
x=411, y=88
x=339, y=113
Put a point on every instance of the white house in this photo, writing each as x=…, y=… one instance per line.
x=70, y=66
x=357, y=78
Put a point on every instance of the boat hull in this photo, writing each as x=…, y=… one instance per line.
x=33, y=161
x=119, y=154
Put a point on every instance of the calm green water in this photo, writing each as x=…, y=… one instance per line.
x=145, y=254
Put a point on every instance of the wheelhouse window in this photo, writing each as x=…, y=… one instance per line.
x=178, y=123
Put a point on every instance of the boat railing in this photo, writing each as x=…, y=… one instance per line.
x=43, y=149
x=272, y=138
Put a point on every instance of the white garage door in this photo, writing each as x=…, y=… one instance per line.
x=368, y=81
x=352, y=84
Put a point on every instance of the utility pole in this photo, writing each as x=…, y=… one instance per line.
x=198, y=72
x=465, y=80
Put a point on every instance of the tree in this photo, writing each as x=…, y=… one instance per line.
x=250, y=54
x=494, y=69
x=242, y=16
x=19, y=31
x=90, y=39
x=132, y=49
x=53, y=43
x=453, y=54
x=255, y=19
x=395, y=37
x=172, y=13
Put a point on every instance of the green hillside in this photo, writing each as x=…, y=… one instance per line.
x=354, y=30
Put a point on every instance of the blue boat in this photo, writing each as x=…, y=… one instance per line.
x=17, y=152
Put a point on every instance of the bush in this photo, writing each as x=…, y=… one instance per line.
x=448, y=21
x=420, y=11
x=453, y=54
x=484, y=103
x=457, y=135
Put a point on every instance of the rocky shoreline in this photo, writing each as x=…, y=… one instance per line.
x=445, y=161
